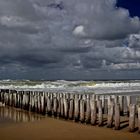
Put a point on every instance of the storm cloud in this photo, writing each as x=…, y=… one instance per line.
x=68, y=39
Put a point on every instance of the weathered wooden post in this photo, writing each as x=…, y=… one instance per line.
x=65, y=106
x=49, y=105
x=21, y=99
x=6, y=98
x=82, y=110
x=100, y=113
x=106, y=105
x=62, y=105
x=80, y=96
x=97, y=97
x=29, y=101
x=110, y=114
x=59, y=104
x=10, y=99
x=121, y=102
x=128, y=101
x=117, y=117
x=88, y=110
x=0, y=95
x=76, y=108
x=3, y=97
x=55, y=104
x=109, y=100
x=33, y=101
x=132, y=111
x=71, y=107
x=139, y=119
x=116, y=100
x=92, y=97
x=24, y=100
x=13, y=99
x=93, y=106
x=103, y=103
x=42, y=103
x=17, y=99
x=38, y=102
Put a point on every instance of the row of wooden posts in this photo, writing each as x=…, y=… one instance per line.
x=86, y=108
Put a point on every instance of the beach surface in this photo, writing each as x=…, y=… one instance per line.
x=55, y=129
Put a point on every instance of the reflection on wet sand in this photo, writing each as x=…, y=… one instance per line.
x=8, y=114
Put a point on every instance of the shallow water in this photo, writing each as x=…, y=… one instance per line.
x=9, y=115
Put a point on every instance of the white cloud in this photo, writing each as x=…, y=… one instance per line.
x=79, y=30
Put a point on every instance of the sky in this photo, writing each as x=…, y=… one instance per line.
x=69, y=39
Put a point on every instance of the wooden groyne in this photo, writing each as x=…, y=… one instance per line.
x=101, y=110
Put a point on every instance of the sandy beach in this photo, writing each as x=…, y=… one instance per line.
x=55, y=129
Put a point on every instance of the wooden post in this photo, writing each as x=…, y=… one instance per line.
x=0, y=95
x=17, y=99
x=55, y=105
x=121, y=102
x=29, y=101
x=103, y=103
x=76, y=108
x=106, y=105
x=45, y=102
x=88, y=111
x=116, y=100
x=10, y=100
x=49, y=106
x=109, y=100
x=21, y=99
x=42, y=102
x=62, y=105
x=65, y=107
x=92, y=97
x=110, y=115
x=139, y=119
x=33, y=101
x=132, y=111
x=67, y=96
x=59, y=104
x=71, y=107
x=128, y=101
x=82, y=111
x=39, y=102
x=80, y=96
x=25, y=99
x=97, y=97
x=117, y=117
x=14, y=99
x=100, y=113
x=93, y=106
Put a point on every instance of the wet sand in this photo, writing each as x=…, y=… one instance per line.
x=54, y=129
x=16, y=124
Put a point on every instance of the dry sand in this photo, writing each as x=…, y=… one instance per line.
x=54, y=129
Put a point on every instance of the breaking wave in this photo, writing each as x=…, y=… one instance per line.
x=99, y=87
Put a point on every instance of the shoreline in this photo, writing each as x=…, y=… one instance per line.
x=52, y=128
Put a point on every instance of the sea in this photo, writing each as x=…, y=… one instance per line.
x=97, y=87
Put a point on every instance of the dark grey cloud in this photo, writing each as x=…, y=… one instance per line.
x=67, y=39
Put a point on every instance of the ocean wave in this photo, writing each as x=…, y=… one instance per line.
x=98, y=87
